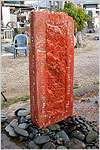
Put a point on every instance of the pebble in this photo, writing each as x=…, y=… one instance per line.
x=21, y=131
x=12, y=133
x=8, y=128
x=3, y=114
x=23, y=113
x=75, y=144
x=63, y=135
x=21, y=120
x=32, y=130
x=71, y=129
x=96, y=129
x=54, y=127
x=55, y=136
x=85, y=131
x=14, y=123
x=22, y=138
x=16, y=112
x=61, y=147
x=33, y=145
x=42, y=139
x=59, y=141
x=23, y=125
x=49, y=145
x=91, y=137
x=28, y=117
x=31, y=136
x=77, y=134
x=3, y=119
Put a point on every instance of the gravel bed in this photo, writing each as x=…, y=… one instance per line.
x=73, y=133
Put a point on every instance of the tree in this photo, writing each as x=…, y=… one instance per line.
x=21, y=2
x=78, y=14
x=80, y=18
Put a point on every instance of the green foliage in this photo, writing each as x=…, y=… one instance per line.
x=96, y=82
x=21, y=2
x=78, y=14
x=76, y=86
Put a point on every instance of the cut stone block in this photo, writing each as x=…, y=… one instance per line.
x=51, y=65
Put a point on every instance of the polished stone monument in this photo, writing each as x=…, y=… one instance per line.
x=51, y=67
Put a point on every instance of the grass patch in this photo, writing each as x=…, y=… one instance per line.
x=76, y=86
x=83, y=46
x=13, y=101
x=96, y=82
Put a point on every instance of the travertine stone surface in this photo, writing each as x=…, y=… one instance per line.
x=51, y=63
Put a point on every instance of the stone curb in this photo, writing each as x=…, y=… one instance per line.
x=84, y=90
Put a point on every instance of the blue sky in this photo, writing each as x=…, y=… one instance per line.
x=36, y=2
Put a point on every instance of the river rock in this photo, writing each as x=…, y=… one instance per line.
x=14, y=123
x=3, y=114
x=41, y=139
x=23, y=125
x=21, y=120
x=49, y=145
x=12, y=133
x=23, y=113
x=32, y=130
x=3, y=119
x=33, y=145
x=61, y=147
x=63, y=135
x=8, y=128
x=92, y=136
x=28, y=117
x=16, y=112
x=20, y=131
x=71, y=129
x=78, y=135
x=59, y=141
x=75, y=144
x=54, y=127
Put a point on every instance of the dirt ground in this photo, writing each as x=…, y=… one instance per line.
x=15, y=72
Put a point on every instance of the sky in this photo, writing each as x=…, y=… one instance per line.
x=41, y=1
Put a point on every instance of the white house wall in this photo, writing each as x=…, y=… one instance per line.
x=6, y=15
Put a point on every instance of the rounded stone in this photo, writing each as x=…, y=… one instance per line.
x=59, y=141
x=91, y=137
x=33, y=145
x=49, y=145
x=77, y=134
x=54, y=127
x=23, y=113
x=75, y=144
x=28, y=117
x=41, y=139
x=14, y=123
x=16, y=112
x=20, y=131
x=32, y=130
x=21, y=120
x=12, y=133
x=8, y=128
x=3, y=119
x=3, y=114
x=61, y=147
x=23, y=125
x=63, y=135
